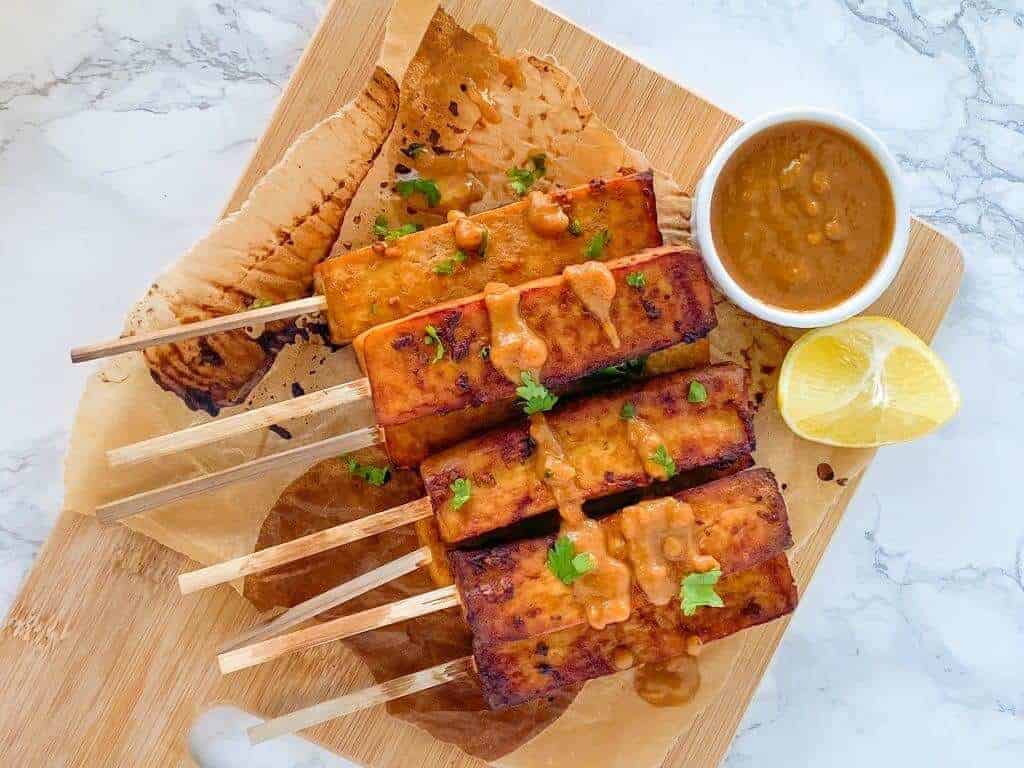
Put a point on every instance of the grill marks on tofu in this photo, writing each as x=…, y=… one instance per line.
x=364, y=289
x=506, y=488
x=409, y=382
x=509, y=593
x=514, y=672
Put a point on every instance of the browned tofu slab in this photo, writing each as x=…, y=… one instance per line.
x=499, y=464
x=364, y=289
x=410, y=443
x=409, y=381
x=509, y=593
x=514, y=672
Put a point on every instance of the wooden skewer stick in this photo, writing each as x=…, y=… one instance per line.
x=296, y=549
x=332, y=598
x=240, y=423
x=364, y=699
x=332, y=446
x=200, y=328
x=338, y=629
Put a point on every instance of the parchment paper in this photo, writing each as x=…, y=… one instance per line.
x=607, y=723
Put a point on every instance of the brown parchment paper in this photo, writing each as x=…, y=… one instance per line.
x=607, y=723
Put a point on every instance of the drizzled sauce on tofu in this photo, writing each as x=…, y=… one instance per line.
x=658, y=533
x=594, y=285
x=545, y=216
x=645, y=441
x=515, y=348
x=603, y=591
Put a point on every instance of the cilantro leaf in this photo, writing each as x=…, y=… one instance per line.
x=575, y=228
x=261, y=303
x=566, y=564
x=535, y=396
x=485, y=239
x=377, y=476
x=636, y=280
x=382, y=231
x=413, y=150
x=661, y=457
x=631, y=369
x=447, y=267
x=628, y=412
x=461, y=490
x=426, y=187
x=521, y=179
x=595, y=248
x=698, y=392
x=485, y=352
x=432, y=338
x=697, y=590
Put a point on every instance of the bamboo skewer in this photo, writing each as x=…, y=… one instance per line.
x=332, y=446
x=312, y=544
x=338, y=629
x=364, y=699
x=201, y=328
x=240, y=423
x=332, y=598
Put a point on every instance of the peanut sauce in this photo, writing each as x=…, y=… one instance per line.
x=515, y=348
x=545, y=216
x=670, y=683
x=459, y=187
x=488, y=111
x=802, y=216
x=469, y=235
x=659, y=532
x=604, y=591
x=594, y=285
x=645, y=441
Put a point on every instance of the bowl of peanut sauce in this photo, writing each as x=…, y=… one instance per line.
x=801, y=217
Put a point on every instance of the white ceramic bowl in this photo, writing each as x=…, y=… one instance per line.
x=871, y=290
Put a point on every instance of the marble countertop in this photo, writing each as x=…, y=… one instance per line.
x=123, y=127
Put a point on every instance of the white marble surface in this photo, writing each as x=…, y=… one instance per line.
x=123, y=126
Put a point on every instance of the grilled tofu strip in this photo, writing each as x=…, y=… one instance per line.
x=506, y=487
x=515, y=672
x=410, y=443
x=411, y=377
x=509, y=593
x=364, y=289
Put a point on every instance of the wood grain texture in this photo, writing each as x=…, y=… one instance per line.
x=103, y=663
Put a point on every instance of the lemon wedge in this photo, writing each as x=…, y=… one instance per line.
x=868, y=381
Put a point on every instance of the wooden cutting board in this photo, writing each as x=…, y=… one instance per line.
x=102, y=663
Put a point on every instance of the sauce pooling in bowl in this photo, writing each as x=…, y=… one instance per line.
x=802, y=216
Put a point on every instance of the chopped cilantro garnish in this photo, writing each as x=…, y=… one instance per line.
x=575, y=228
x=698, y=590
x=636, y=280
x=534, y=395
x=521, y=179
x=461, y=490
x=413, y=150
x=698, y=392
x=631, y=369
x=628, y=411
x=485, y=352
x=261, y=303
x=432, y=338
x=661, y=457
x=382, y=231
x=595, y=248
x=447, y=267
x=373, y=475
x=426, y=187
x=566, y=564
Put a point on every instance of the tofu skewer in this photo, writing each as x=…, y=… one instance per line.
x=738, y=524
x=499, y=466
x=355, y=290
x=581, y=322
x=510, y=502
x=438, y=361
